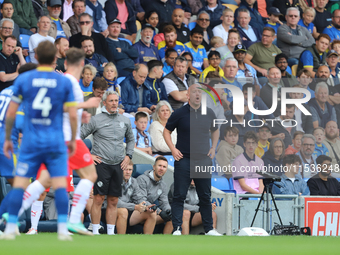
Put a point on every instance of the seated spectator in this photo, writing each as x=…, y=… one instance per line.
x=256, y=20
x=273, y=157
x=142, y=137
x=7, y=13
x=305, y=78
x=78, y=7
x=263, y=134
x=333, y=64
x=323, y=74
x=216, y=108
x=321, y=110
x=170, y=56
x=228, y=150
x=230, y=70
x=284, y=5
x=131, y=209
x=95, y=10
x=158, y=91
x=261, y=55
x=333, y=144
x=120, y=52
x=86, y=81
x=86, y=24
x=291, y=182
x=195, y=47
x=110, y=75
x=6, y=28
x=10, y=61
x=25, y=17
x=177, y=83
x=44, y=25
x=203, y=21
x=315, y=55
x=152, y=19
x=222, y=30
x=40, y=8
x=183, y=33
x=287, y=80
x=138, y=9
x=274, y=18
x=134, y=89
x=170, y=42
x=323, y=184
x=248, y=181
x=95, y=59
x=189, y=58
x=296, y=146
x=160, y=118
x=323, y=18
x=215, y=10
x=163, y=8
x=249, y=35
x=292, y=38
x=335, y=45
x=308, y=17
x=62, y=46
x=98, y=89
x=320, y=147
x=147, y=51
x=59, y=28
x=226, y=50
x=308, y=168
x=214, y=59
x=122, y=10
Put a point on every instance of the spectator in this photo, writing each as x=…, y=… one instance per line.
x=321, y=110
x=164, y=9
x=203, y=21
x=273, y=157
x=7, y=13
x=131, y=208
x=255, y=17
x=228, y=150
x=324, y=75
x=323, y=184
x=86, y=81
x=335, y=45
x=333, y=29
x=214, y=59
x=135, y=94
x=261, y=55
x=98, y=88
x=274, y=18
x=323, y=18
x=110, y=75
x=6, y=29
x=96, y=11
x=263, y=134
x=296, y=146
x=306, y=155
x=40, y=8
x=109, y=154
x=217, y=108
x=59, y=28
x=123, y=11
x=292, y=38
x=333, y=143
x=44, y=25
x=24, y=16
x=138, y=9
x=177, y=83
x=230, y=70
x=320, y=147
x=160, y=117
x=62, y=46
x=249, y=35
x=67, y=11
x=284, y=5
x=287, y=80
x=222, y=30
x=190, y=70
x=158, y=91
x=142, y=137
x=248, y=181
x=78, y=7
x=170, y=42
x=170, y=56
x=95, y=59
x=120, y=52
x=86, y=24
x=226, y=50
x=291, y=182
x=147, y=51
x=152, y=19
x=183, y=33
x=10, y=61
x=308, y=17
x=215, y=10
x=305, y=78
x=333, y=64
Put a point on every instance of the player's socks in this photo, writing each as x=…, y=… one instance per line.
x=32, y=193
x=61, y=202
x=36, y=211
x=110, y=229
x=13, y=209
x=95, y=229
x=4, y=204
x=80, y=197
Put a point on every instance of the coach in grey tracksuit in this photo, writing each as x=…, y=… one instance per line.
x=131, y=195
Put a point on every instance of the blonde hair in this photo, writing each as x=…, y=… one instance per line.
x=110, y=64
x=214, y=40
x=161, y=103
x=91, y=68
x=310, y=9
x=227, y=10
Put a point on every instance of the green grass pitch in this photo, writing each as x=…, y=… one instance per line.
x=47, y=244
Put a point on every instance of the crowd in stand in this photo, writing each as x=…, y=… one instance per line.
x=151, y=51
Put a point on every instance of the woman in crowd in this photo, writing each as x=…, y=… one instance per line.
x=233, y=39
x=273, y=157
x=86, y=81
x=151, y=18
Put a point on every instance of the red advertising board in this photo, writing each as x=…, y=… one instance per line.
x=322, y=215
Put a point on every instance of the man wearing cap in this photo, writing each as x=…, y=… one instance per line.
x=292, y=38
x=183, y=33
x=24, y=16
x=274, y=18
x=147, y=51
x=332, y=62
x=120, y=52
x=59, y=28
x=333, y=30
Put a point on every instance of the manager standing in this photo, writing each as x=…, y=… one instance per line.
x=192, y=149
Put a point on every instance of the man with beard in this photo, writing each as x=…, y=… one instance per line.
x=309, y=164
x=333, y=30
x=183, y=33
x=203, y=21
x=333, y=145
x=59, y=28
x=281, y=62
x=170, y=42
x=323, y=184
x=62, y=46
x=98, y=61
x=147, y=51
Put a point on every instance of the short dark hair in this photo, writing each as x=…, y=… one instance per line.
x=5, y=2
x=75, y=1
x=298, y=133
x=288, y=106
x=214, y=53
x=187, y=53
x=10, y=36
x=140, y=115
x=270, y=29
x=232, y=130
x=322, y=158
x=279, y=56
x=197, y=30
x=154, y=63
x=46, y=53
x=148, y=14
x=291, y=159
x=304, y=71
x=85, y=38
x=74, y=56
x=248, y=85
x=99, y=83
x=169, y=51
x=250, y=135
x=323, y=36
x=27, y=67
x=161, y=158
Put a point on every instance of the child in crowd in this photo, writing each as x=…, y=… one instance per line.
x=335, y=45
x=307, y=21
x=228, y=150
x=214, y=59
x=86, y=81
x=264, y=133
x=320, y=148
x=305, y=78
x=274, y=18
x=142, y=137
x=292, y=149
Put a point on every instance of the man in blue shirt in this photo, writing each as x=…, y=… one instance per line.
x=333, y=30
x=230, y=70
x=59, y=28
x=249, y=35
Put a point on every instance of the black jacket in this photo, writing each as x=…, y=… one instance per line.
x=283, y=5
x=318, y=187
x=248, y=42
x=256, y=18
x=164, y=9
x=270, y=161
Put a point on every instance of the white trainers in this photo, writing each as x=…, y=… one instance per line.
x=32, y=231
x=1, y=233
x=177, y=232
x=213, y=232
x=10, y=236
x=17, y=232
x=63, y=237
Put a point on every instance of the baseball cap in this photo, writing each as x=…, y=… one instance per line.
x=147, y=25
x=332, y=52
x=274, y=11
x=52, y=3
x=240, y=47
x=265, y=125
x=115, y=21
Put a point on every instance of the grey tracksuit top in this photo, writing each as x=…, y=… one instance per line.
x=131, y=195
x=191, y=200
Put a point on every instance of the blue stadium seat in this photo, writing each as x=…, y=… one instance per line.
x=231, y=184
x=24, y=41
x=120, y=79
x=139, y=169
x=28, y=59
x=220, y=183
x=127, y=40
x=171, y=160
x=192, y=25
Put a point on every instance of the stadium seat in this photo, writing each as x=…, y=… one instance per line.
x=139, y=169
x=138, y=25
x=231, y=6
x=24, y=41
x=171, y=160
x=294, y=70
x=28, y=59
x=220, y=183
x=127, y=40
x=120, y=79
x=192, y=25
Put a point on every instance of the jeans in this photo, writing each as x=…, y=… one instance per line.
x=293, y=61
x=25, y=31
